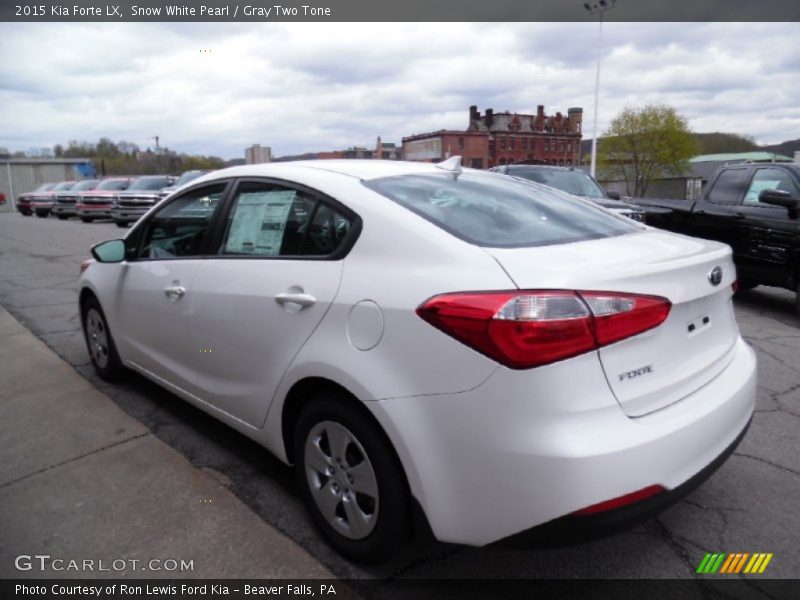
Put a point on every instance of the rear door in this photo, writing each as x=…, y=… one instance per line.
x=275, y=274
x=766, y=248
x=717, y=215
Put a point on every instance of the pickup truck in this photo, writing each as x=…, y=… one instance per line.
x=752, y=207
x=142, y=194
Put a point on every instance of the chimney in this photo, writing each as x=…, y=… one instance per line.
x=489, y=117
x=540, y=111
x=474, y=115
x=378, y=149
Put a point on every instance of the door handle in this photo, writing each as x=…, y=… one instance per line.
x=176, y=291
x=737, y=215
x=301, y=299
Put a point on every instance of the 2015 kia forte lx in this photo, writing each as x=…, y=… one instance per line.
x=491, y=352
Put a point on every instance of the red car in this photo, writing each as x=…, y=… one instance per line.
x=97, y=203
x=24, y=201
x=42, y=203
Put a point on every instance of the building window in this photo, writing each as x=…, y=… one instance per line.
x=461, y=143
x=511, y=143
x=502, y=144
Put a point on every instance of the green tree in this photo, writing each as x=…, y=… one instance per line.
x=644, y=144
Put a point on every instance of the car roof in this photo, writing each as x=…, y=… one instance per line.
x=363, y=169
x=545, y=168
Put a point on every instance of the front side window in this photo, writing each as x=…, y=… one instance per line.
x=272, y=220
x=179, y=229
x=770, y=179
x=501, y=212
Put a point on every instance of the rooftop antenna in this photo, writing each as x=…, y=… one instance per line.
x=452, y=165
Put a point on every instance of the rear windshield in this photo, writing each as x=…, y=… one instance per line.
x=497, y=211
x=150, y=183
x=113, y=184
x=63, y=186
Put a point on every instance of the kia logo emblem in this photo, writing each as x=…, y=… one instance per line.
x=715, y=277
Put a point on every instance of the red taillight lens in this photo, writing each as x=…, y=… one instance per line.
x=525, y=329
x=620, y=316
x=735, y=286
x=625, y=500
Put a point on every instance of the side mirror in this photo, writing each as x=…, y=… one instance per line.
x=612, y=195
x=780, y=198
x=112, y=251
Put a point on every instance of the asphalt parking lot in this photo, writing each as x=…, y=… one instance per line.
x=749, y=505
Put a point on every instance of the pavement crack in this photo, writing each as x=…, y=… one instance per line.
x=767, y=462
x=662, y=532
x=74, y=459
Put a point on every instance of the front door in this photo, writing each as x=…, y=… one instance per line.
x=767, y=234
x=155, y=290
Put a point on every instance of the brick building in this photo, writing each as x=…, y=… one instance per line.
x=503, y=138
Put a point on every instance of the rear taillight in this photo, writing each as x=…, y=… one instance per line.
x=525, y=329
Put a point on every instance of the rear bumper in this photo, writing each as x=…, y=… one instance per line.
x=574, y=529
x=526, y=448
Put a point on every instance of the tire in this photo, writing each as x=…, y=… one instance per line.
x=87, y=219
x=42, y=215
x=26, y=213
x=121, y=224
x=368, y=462
x=62, y=217
x=797, y=298
x=99, y=342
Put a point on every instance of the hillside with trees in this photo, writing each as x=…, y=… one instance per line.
x=722, y=143
x=126, y=158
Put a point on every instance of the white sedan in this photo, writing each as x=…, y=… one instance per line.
x=487, y=351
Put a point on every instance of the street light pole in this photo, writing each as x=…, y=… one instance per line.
x=599, y=7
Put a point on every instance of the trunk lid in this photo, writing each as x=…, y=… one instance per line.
x=658, y=367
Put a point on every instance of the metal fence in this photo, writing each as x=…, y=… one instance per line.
x=20, y=175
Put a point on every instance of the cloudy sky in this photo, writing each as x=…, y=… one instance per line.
x=307, y=87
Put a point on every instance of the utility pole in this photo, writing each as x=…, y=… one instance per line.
x=597, y=8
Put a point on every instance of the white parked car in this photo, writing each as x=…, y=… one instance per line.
x=411, y=336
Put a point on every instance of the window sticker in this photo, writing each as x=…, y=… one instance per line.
x=259, y=222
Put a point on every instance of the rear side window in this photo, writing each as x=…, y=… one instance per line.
x=727, y=187
x=500, y=212
x=272, y=220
